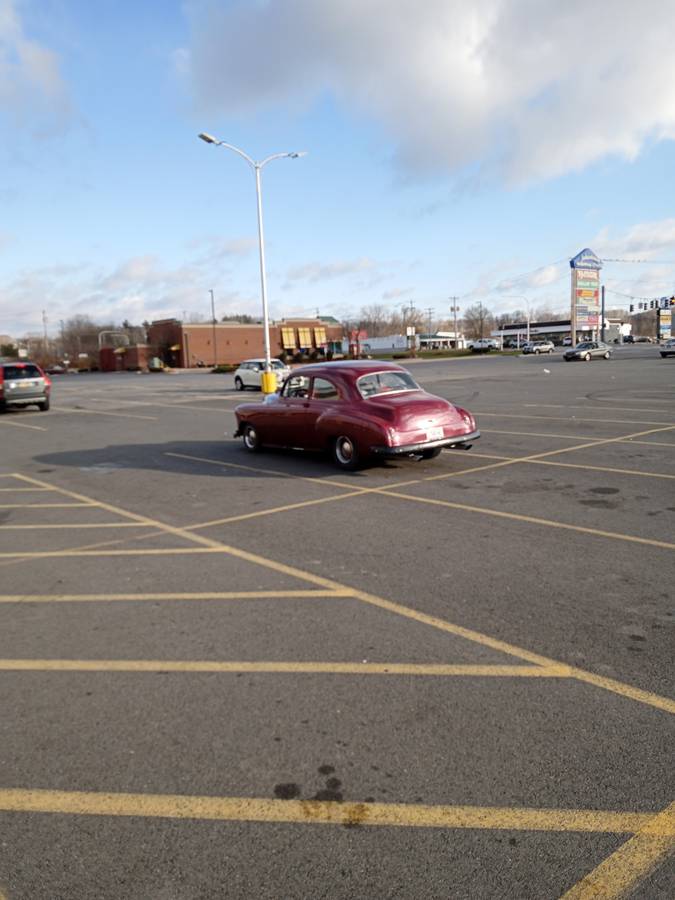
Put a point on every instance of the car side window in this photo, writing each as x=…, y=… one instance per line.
x=322, y=389
x=297, y=386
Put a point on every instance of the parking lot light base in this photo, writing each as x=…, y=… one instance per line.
x=268, y=382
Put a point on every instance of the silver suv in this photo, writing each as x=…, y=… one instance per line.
x=23, y=384
x=538, y=347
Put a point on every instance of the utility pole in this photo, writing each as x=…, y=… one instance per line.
x=215, y=339
x=44, y=335
x=454, y=309
x=429, y=311
x=481, y=319
x=602, y=314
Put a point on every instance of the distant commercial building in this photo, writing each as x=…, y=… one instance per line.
x=187, y=346
x=559, y=329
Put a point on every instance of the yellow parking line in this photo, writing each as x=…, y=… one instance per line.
x=590, y=408
x=622, y=689
x=548, y=462
x=160, y=597
x=274, y=509
x=534, y=520
x=620, y=873
x=321, y=812
x=574, y=437
x=155, y=551
x=595, y=421
x=293, y=668
x=22, y=425
x=70, y=525
x=101, y=412
x=42, y=505
x=25, y=490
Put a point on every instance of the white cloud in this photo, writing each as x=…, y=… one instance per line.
x=529, y=89
x=314, y=272
x=32, y=90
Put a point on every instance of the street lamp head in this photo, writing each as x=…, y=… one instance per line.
x=208, y=138
x=297, y=154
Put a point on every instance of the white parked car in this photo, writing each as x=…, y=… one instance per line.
x=483, y=345
x=538, y=347
x=248, y=375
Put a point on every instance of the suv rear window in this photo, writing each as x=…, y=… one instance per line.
x=16, y=373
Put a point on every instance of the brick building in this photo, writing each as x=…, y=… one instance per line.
x=186, y=345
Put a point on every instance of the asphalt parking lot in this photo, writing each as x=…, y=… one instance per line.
x=226, y=675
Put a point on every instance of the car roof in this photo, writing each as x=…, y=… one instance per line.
x=350, y=368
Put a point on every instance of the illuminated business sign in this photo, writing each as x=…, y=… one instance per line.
x=585, y=300
x=665, y=324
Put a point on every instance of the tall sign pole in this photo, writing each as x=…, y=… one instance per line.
x=585, y=299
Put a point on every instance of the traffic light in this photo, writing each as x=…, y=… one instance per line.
x=632, y=307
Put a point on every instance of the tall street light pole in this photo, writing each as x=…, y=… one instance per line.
x=215, y=339
x=527, y=307
x=454, y=309
x=269, y=383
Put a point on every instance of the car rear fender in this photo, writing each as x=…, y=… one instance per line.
x=361, y=429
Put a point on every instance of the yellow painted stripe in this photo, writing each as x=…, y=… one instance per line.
x=625, y=690
x=213, y=595
x=501, y=415
x=549, y=462
x=320, y=812
x=24, y=490
x=69, y=525
x=22, y=425
x=590, y=407
x=619, y=874
x=294, y=668
x=42, y=505
x=573, y=437
x=101, y=412
x=155, y=551
x=533, y=520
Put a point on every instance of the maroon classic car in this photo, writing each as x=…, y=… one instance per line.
x=355, y=410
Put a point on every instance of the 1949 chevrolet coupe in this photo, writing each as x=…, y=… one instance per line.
x=355, y=410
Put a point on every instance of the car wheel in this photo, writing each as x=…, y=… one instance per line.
x=606, y=355
x=550, y=351
x=432, y=453
x=44, y=405
x=345, y=454
x=238, y=384
x=536, y=353
x=587, y=357
x=251, y=439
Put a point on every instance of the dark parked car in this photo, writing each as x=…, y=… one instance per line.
x=23, y=384
x=355, y=410
x=588, y=350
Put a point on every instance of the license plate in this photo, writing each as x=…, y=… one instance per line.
x=435, y=434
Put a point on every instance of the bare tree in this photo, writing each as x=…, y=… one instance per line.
x=478, y=321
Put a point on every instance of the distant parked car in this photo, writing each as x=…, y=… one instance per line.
x=567, y=342
x=667, y=349
x=484, y=345
x=628, y=339
x=249, y=372
x=24, y=384
x=355, y=410
x=538, y=347
x=588, y=350
x=642, y=339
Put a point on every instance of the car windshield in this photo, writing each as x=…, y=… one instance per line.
x=385, y=383
x=585, y=346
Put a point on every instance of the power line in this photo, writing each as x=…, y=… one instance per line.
x=658, y=262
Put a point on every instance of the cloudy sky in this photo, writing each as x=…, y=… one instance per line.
x=454, y=148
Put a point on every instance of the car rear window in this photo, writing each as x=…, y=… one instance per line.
x=16, y=373
x=385, y=383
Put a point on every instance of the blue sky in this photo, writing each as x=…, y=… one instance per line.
x=453, y=149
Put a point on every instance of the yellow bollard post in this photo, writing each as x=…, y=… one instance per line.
x=268, y=382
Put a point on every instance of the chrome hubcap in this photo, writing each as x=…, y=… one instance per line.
x=250, y=438
x=344, y=450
